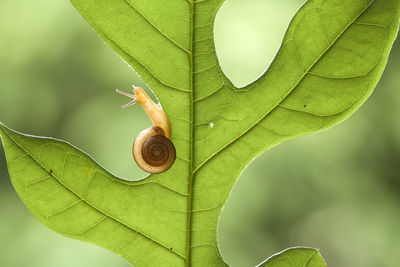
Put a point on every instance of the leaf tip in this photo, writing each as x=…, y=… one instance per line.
x=2, y=126
x=2, y=133
x=301, y=256
x=5, y=134
x=3, y=129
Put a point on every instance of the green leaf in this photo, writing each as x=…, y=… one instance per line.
x=295, y=257
x=332, y=57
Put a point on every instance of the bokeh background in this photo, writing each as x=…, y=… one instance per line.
x=338, y=190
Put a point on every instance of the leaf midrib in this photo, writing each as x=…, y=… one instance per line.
x=191, y=167
x=284, y=97
x=86, y=201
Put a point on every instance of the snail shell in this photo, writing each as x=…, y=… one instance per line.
x=153, y=151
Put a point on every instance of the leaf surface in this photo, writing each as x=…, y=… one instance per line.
x=331, y=58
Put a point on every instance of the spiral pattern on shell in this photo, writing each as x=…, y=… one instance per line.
x=156, y=150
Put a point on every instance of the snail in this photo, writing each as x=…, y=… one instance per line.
x=152, y=149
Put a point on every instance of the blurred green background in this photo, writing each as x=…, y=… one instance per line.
x=338, y=190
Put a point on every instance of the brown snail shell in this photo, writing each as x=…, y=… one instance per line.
x=153, y=151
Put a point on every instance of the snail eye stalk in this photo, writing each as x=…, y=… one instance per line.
x=134, y=101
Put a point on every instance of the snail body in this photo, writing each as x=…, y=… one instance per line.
x=152, y=149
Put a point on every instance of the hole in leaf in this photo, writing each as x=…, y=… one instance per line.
x=248, y=34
